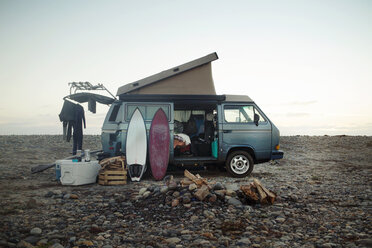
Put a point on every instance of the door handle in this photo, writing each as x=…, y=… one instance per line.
x=227, y=131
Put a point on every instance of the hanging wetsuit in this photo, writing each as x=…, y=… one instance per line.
x=67, y=116
x=72, y=116
x=78, y=129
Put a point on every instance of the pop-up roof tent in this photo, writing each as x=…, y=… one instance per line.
x=192, y=78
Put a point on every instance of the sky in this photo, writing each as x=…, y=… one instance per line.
x=307, y=64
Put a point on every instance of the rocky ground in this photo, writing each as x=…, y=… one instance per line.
x=324, y=190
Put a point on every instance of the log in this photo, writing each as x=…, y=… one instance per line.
x=198, y=180
x=186, y=182
x=189, y=175
x=270, y=195
x=251, y=195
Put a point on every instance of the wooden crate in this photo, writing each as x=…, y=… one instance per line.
x=113, y=171
x=112, y=177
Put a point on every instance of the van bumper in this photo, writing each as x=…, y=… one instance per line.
x=277, y=154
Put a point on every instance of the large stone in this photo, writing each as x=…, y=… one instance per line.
x=201, y=193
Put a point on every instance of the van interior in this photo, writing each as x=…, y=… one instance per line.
x=195, y=129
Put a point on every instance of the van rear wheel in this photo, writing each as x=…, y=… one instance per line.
x=239, y=164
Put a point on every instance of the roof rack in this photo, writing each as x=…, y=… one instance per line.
x=75, y=86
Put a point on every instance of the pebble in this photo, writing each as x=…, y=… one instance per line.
x=32, y=239
x=174, y=240
x=234, y=201
x=142, y=191
x=194, y=218
x=35, y=231
x=74, y=196
x=208, y=214
x=107, y=246
x=164, y=189
x=192, y=187
x=146, y=194
x=244, y=242
x=218, y=186
x=56, y=245
x=175, y=202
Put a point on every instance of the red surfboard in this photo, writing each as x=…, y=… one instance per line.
x=159, y=144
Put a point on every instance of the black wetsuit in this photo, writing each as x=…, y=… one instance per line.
x=72, y=116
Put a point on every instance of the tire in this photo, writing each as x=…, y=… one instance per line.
x=239, y=164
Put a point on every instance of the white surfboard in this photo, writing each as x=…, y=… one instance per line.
x=136, y=146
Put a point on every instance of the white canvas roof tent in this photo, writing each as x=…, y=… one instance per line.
x=192, y=78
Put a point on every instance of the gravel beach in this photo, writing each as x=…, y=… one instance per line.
x=323, y=187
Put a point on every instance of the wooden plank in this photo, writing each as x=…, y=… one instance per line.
x=114, y=173
x=101, y=182
x=116, y=177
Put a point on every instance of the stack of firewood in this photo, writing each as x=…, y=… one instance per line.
x=252, y=193
x=255, y=192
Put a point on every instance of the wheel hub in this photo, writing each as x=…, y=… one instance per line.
x=239, y=164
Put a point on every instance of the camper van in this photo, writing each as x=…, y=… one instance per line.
x=205, y=128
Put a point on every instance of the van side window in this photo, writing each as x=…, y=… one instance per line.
x=114, y=113
x=262, y=119
x=241, y=114
x=147, y=111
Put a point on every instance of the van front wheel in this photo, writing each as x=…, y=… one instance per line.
x=239, y=164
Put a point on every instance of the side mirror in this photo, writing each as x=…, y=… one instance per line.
x=256, y=119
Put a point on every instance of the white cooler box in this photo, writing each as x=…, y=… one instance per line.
x=79, y=173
